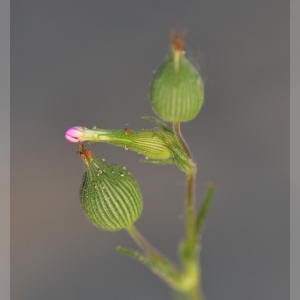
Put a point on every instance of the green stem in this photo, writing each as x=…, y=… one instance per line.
x=189, y=258
x=195, y=295
x=189, y=200
x=189, y=281
x=143, y=243
x=160, y=265
x=189, y=207
x=176, y=129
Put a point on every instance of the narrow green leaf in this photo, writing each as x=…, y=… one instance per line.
x=204, y=208
x=161, y=267
x=158, y=162
x=159, y=122
x=135, y=255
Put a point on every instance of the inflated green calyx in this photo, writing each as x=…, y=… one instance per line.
x=110, y=197
x=176, y=91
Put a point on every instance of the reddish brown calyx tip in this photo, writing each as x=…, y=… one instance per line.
x=177, y=38
x=127, y=130
x=84, y=153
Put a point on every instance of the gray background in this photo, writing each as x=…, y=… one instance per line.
x=295, y=151
x=4, y=153
x=89, y=63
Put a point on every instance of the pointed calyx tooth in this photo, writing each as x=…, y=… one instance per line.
x=110, y=197
x=176, y=90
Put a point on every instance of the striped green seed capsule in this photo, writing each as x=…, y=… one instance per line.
x=176, y=91
x=109, y=194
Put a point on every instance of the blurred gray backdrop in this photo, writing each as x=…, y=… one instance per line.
x=90, y=63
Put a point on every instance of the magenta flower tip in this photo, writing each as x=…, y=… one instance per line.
x=74, y=134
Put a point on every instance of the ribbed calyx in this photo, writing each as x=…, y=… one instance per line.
x=109, y=194
x=176, y=90
x=158, y=145
x=151, y=142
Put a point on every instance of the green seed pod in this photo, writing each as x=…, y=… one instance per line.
x=109, y=194
x=176, y=90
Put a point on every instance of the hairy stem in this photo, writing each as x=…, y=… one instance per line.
x=143, y=243
x=190, y=257
x=176, y=129
x=189, y=200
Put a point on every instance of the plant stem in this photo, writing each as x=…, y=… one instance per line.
x=190, y=256
x=189, y=283
x=143, y=243
x=195, y=295
x=189, y=207
x=176, y=129
x=190, y=178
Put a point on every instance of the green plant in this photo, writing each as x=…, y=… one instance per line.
x=111, y=197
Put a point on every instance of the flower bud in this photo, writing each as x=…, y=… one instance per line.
x=74, y=134
x=176, y=90
x=109, y=194
x=151, y=143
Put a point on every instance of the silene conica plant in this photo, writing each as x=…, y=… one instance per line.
x=110, y=196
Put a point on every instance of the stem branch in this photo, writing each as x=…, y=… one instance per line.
x=142, y=242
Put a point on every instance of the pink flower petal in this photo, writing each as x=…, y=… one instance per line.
x=74, y=134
